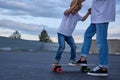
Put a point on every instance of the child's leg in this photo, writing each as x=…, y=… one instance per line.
x=72, y=45
x=61, y=42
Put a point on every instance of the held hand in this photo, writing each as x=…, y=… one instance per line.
x=89, y=10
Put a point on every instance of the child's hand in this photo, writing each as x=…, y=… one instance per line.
x=74, y=2
x=80, y=1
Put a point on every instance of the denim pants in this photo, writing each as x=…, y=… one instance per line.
x=100, y=29
x=61, y=41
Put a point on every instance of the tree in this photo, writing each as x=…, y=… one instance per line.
x=16, y=35
x=43, y=37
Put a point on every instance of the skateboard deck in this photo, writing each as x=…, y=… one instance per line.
x=58, y=68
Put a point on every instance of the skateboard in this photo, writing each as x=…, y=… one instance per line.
x=58, y=67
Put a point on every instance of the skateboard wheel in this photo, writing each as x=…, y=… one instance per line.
x=59, y=70
x=88, y=70
x=54, y=69
x=84, y=69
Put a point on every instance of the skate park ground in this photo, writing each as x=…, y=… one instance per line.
x=17, y=65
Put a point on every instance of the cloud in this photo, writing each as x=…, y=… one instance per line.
x=26, y=28
x=114, y=33
x=20, y=26
x=39, y=8
x=36, y=8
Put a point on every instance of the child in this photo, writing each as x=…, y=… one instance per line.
x=66, y=28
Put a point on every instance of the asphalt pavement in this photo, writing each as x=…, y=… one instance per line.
x=37, y=66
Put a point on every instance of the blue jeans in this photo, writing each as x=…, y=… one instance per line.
x=101, y=39
x=61, y=42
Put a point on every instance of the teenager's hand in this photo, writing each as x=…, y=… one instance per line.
x=89, y=10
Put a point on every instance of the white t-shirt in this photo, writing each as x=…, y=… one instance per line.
x=103, y=11
x=68, y=24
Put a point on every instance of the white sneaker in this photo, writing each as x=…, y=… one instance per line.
x=72, y=63
x=98, y=71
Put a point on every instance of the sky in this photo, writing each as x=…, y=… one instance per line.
x=30, y=17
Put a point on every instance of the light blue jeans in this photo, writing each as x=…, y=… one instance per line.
x=100, y=29
x=61, y=41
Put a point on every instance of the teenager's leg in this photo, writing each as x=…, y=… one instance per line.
x=72, y=45
x=101, y=37
x=61, y=42
x=91, y=30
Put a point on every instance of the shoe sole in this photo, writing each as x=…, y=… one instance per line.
x=72, y=64
x=82, y=64
x=97, y=74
